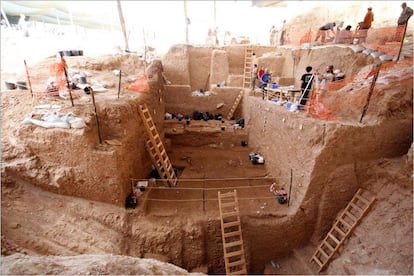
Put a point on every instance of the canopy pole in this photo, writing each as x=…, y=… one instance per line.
x=121, y=18
x=5, y=17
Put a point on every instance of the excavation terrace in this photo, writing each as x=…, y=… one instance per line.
x=64, y=192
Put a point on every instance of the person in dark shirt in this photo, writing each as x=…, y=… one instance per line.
x=324, y=30
x=306, y=85
x=406, y=13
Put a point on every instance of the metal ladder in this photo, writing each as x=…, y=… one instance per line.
x=248, y=59
x=234, y=257
x=156, y=148
x=342, y=229
x=235, y=105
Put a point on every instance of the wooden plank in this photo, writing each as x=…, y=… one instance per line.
x=337, y=229
x=231, y=224
x=356, y=207
x=323, y=253
x=328, y=245
x=241, y=262
x=232, y=244
x=227, y=194
x=232, y=234
x=333, y=238
x=345, y=223
x=234, y=254
x=350, y=215
x=364, y=200
x=231, y=214
x=317, y=261
x=228, y=204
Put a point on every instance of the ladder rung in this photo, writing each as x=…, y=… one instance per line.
x=328, y=245
x=347, y=213
x=233, y=254
x=333, y=238
x=227, y=194
x=228, y=204
x=230, y=214
x=232, y=234
x=231, y=223
x=231, y=244
x=344, y=223
x=356, y=207
x=317, y=261
x=233, y=264
x=359, y=197
x=337, y=229
x=323, y=253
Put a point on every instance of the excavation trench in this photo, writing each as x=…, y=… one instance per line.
x=320, y=162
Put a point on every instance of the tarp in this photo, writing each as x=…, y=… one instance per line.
x=61, y=12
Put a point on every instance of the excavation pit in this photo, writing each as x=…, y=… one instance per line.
x=321, y=164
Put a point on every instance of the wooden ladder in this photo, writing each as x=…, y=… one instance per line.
x=342, y=229
x=234, y=258
x=235, y=105
x=248, y=59
x=156, y=148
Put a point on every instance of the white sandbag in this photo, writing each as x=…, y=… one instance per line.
x=45, y=124
x=376, y=54
x=51, y=120
x=357, y=48
x=367, y=51
x=76, y=122
x=386, y=58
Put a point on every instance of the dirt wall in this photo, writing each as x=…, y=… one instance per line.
x=176, y=64
x=71, y=161
x=219, y=71
x=200, y=67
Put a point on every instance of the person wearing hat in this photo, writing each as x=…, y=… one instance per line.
x=406, y=13
x=368, y=19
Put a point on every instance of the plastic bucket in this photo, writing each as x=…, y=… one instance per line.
x=21, y=85
x=10, y=85
x=82, y=80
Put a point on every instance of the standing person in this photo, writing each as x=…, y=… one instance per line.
x=272, y=36
x=324, y=29
x=406, y=13
x=368, y=19
x=254, y=76
x=260, y=73
x=267, y=76
x=283, y=33
x=306, y=85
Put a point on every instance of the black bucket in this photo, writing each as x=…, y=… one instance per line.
x=21, y=85
x=10, y=85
